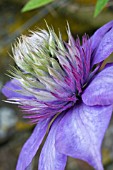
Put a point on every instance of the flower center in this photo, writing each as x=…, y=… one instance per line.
x=52, y=72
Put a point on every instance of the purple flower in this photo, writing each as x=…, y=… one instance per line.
x=63, y=86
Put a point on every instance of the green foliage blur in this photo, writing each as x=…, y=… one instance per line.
x=99, y=6
x=33, y=4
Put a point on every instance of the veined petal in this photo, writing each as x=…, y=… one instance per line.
x=31, y=146
x=50, y=158
x=81, y=131
x=102, y=43
x=98, y=35
x=100, y=90
x=105, y=48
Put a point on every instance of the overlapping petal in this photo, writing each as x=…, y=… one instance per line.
x=101, y=43
x=31, y=146
x=81, y=131
x=50, y=158
x=12, y=90
x=100, y=90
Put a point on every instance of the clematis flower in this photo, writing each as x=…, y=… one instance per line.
x=62, y=87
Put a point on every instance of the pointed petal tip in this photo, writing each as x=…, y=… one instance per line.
x=32, y=144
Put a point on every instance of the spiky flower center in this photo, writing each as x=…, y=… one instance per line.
x=51, y=73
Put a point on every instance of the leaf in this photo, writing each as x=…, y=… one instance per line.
x=32, y=4
x=99, y=6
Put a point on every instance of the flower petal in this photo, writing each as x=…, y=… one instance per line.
x=50, y=158
x=30, y=167
x=99, y=34
x=10, y=89
x=81, y=131
x=102, y=41
x=31, y=146
x=100, y=90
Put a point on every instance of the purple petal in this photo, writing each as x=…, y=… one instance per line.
x=102, y=41
x=99, y=34
x=50, y=158
x=10, y=89
x=105, y=48
x=31, y=146
x=29, y=167
x=81, y=131
x=100, y=90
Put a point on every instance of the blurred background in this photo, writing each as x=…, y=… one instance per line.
x=14, y=131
